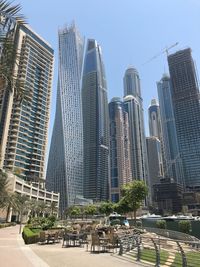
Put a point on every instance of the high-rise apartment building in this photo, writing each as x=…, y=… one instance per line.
x=65, y=164
x=120, y=167
x=185, y=98
x=154, y=156
x=173, y=163
x=154, y=119
x=133, y=106
x=24, y=123
x=95, y=124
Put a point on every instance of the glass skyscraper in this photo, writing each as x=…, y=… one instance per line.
x=185, y=98
x=154, y=119
x=133, y=106
x=65, y=164
x=120, y=162
x=173, y=164
x=23, y=138
x=95, y=124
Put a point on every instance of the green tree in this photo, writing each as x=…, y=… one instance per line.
x=53, y=208
x=185, y=226
x=161, y=224
x=106, y=208
x=73, y=211
x=134, y=194
x=10, y=19
x=3, y=188
x=90, y=209
x=21, y=206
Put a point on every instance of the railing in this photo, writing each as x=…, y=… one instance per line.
x=172, y=234
x=160, y=251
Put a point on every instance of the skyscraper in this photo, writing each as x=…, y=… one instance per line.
x=154, y=162
x=95, y=124
x=173, y=163
x=120, y=168
x=133, y=106
x=185, y=98
x=23, y=144
x=65, y=164
x=154, y=119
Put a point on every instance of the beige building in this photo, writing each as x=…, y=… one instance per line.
x=32, y=190
x=24, y=122
x=120, y=161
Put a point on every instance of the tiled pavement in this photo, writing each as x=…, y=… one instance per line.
x=13, y=253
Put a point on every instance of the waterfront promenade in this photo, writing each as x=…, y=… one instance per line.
x=13, y=252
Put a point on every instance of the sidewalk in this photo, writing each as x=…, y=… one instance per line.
x=13, y=252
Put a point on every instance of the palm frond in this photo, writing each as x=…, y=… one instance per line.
x=12, y=11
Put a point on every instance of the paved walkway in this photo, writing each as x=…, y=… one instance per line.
x=13, y=252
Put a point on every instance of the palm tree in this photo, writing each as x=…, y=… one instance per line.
x=42, y=208
x=21, y=206
x=3, y=186
x=10, y=19
x=53, y=208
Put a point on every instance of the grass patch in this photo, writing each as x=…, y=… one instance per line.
x=150, y=255
x=193, y=259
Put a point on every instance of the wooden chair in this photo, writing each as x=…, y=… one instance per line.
x=42, y=238
x=95, y=242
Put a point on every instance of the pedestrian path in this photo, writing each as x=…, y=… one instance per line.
x=13, y=252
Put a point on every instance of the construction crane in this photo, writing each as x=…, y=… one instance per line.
x=166, y=50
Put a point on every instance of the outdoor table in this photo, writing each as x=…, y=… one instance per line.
x=73, y=240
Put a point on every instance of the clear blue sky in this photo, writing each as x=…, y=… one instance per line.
x=129, y=31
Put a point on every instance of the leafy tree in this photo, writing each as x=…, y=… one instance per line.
x=10, y=19
x=185, y=226
x=134, y=194
x=53, y=208
x=73, y=211
x=90, y=209
x=3, y=186
x=21, y=206
x=161, y=224
x=106, y=208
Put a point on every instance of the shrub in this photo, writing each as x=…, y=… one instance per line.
x=138, y=224
x=29, y=236
x=3, y=225
x=185, y=226
x=161, y=224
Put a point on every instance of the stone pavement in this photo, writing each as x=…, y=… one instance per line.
x=14, y=253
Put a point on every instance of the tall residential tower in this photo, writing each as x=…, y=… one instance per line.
x=133, y=106
x=65, y=164
x=173, y=163
x=120, y=163
x=186, y=104
x=24, y=122
x=95, y=124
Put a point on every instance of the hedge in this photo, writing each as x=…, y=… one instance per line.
x=3, y=225
x=29, y=236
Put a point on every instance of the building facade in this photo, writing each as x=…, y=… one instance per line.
x=120, y=167
x=25, y=120
x=65, y=163
x=173, y=163
x=186, y=105
x=154, y=156
x=95, y=124
x=169, y=196
x=133, y=106
x=154, y=119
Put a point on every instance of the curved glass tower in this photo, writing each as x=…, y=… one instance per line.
x=173, y=164
x=133, y=106
x=65, y=164
x=95, y=124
